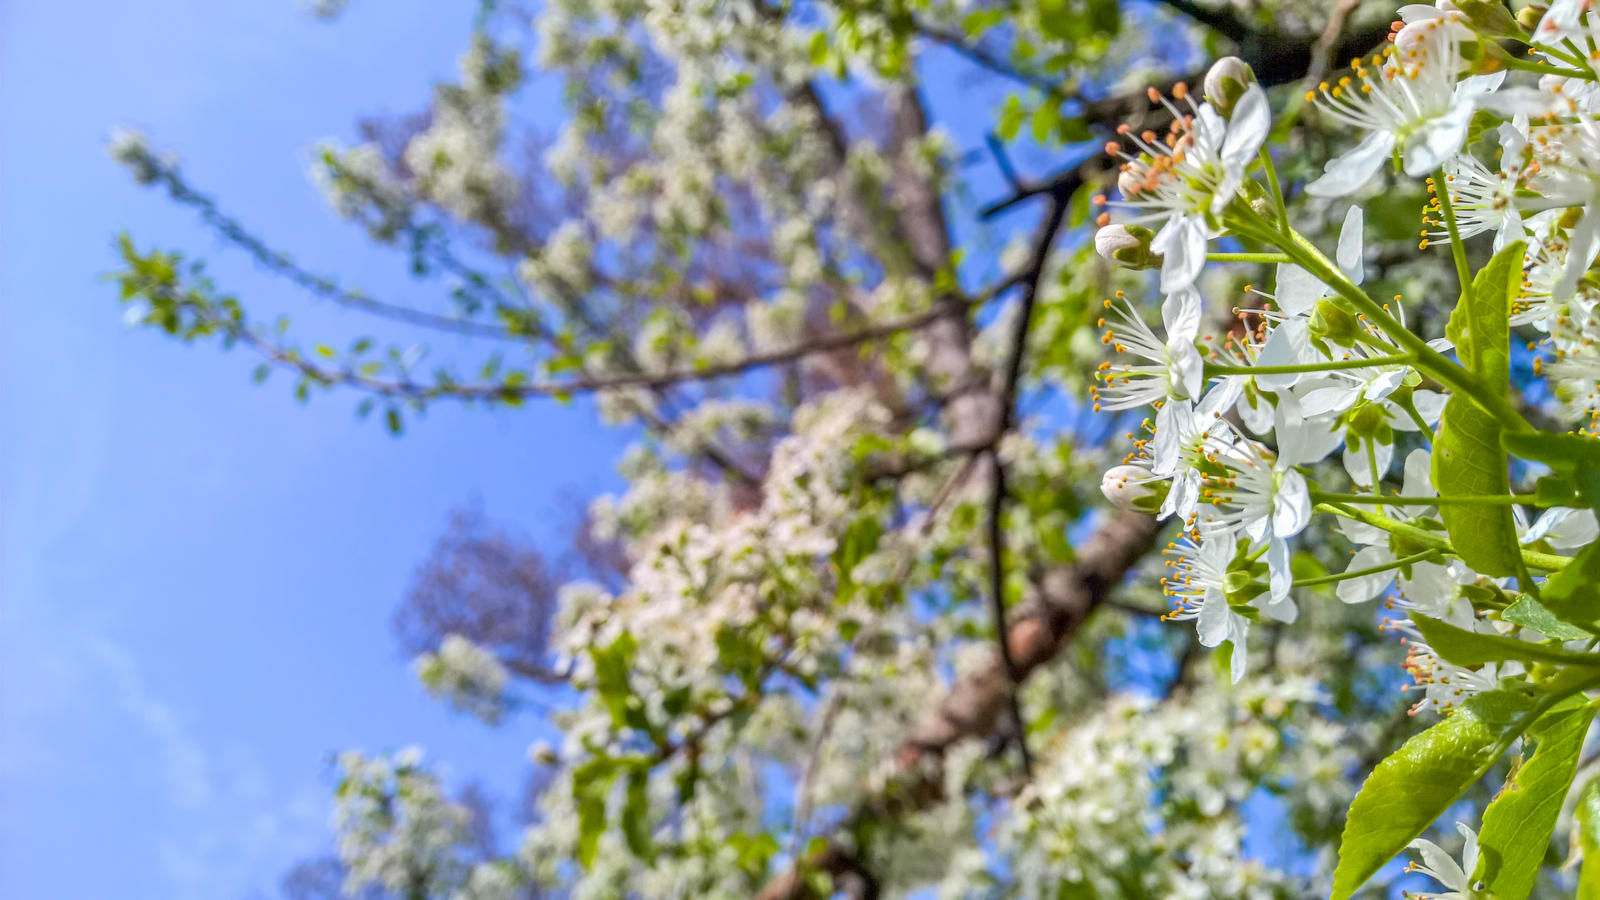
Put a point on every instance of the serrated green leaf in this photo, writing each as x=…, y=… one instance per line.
x=1530, y=613
x=1468, y=458
x=1480, y=325
x=1588, y=837
x=1414, y=785
x=1469, y=648
x=1518, y=823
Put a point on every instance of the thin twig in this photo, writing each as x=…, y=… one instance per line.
x=802, y=791
x=1322, y=50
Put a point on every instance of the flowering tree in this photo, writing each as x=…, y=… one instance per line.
x=869, y=631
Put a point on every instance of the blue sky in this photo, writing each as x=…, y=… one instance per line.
x=196, y=574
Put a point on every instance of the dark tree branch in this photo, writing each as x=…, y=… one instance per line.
x=983, y=57
x=1222, y=21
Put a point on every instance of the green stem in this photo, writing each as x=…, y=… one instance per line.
x=1422, y=424
x=1576, y=60
x=1247, y=257
x=1370, y=570
x=1277, y=191
x=1456, y=500
x=1401, y=359
x=1441, y=192
x=1430, y=361
x=1545, y=69
x=1544, y=562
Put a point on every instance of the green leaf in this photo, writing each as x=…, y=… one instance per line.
x=1574, y=592
x=1418, y=782
x=819, y=48
x=1055, y=20
x=1480, y=326
x=1469, y=648
x=1081, y=207
x=1553, y=490
x=1518, y=823
x=1588, y=815
x=1530, y=613
x=1105, y=15
x=1011, y=116
x=1045, y=121
x=1574, y=456
x=1468, y=458
x=636, y=815
x=591, y=784
x=611, y=665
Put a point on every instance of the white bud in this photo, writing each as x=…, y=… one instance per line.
x=1226, y=81
x=1127, y=245
x=1131, y=487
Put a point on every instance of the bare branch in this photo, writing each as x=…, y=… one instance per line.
x=1223, y=21
x=408, y=389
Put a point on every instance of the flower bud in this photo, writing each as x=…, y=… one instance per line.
x=1226, y=81
x=1332, y=322
x=1490, y=19
x=1127, y=246
x=1130, y=487
x=1528, y=17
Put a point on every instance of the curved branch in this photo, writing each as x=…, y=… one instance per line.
x=404, y=388
x=281, y=264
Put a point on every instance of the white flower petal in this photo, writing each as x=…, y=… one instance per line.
x=1355, y=168
x=1247, y=128
x=1297, y=290
x=1291, y=505
x=1364, y=587
x=1182, y=244
x=1437, y=140
x=1348, y=254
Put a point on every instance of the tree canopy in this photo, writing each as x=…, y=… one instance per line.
x=958, y=340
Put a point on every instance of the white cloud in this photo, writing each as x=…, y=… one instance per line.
x=185, y=764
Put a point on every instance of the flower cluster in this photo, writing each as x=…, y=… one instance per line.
x=397, y=829
x=1318, y=367
x=1286, y=435
x=1174, y=827
x=471, y=677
